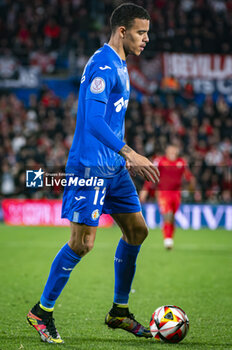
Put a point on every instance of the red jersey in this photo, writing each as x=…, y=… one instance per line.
x=171, y=173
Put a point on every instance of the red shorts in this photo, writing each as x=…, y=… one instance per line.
x=168, y=201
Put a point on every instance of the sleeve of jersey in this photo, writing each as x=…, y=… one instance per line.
x=97, y=126
x=102, y=82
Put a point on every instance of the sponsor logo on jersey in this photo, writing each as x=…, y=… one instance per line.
x=98, y=85
x=120, y=103
x=95, y=214
x=105, y=67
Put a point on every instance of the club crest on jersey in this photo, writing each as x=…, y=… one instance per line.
x=98, y=85
x=95, y=214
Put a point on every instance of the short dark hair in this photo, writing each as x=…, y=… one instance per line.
x=125, y=14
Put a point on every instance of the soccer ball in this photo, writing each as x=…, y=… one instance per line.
x=169, y=323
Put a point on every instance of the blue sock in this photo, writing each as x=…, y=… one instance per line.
x=124, y=270
x=62, y=266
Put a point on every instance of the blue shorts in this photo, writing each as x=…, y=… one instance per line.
x=87, y=199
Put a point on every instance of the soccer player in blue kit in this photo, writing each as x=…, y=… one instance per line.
x=101, y=162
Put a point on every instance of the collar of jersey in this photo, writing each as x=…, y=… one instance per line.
x=121, y=60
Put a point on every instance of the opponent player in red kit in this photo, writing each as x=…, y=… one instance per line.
x=172, y=170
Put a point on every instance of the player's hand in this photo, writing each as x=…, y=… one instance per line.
x=137, y=164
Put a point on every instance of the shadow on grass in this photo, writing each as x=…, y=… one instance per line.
x=92, y=343
x=95, y=343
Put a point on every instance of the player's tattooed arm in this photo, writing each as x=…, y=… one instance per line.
x=125, y=150
x=137, y=164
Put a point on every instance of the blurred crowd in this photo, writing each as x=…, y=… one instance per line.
x=62, y=33
x=41, y=135
x=203, y=134
x=58, y=36
x=34, y=137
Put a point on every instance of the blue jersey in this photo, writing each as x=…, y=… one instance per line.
x=105, y=79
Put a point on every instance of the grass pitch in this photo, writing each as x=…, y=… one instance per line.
x=196, y=276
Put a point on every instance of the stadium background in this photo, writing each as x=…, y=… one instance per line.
x=181, y=92
x=181, y=88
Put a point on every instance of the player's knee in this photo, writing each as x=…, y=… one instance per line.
x=81, y=245
x=81, y=249
x=88, y=246
x=141, y=234
x=82, y=239
x=144, y=232
x=138, y=234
